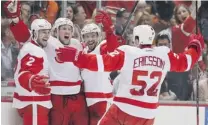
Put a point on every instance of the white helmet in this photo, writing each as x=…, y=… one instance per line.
x=39, y=24
x=91, y=28
x=63, y=21
x=145, y=33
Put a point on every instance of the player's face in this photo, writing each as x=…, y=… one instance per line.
x=43, y=36
x=65, y=34
x=182, y=14
x=163, y=42
x=91, y=40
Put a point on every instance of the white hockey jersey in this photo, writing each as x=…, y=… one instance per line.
x=33, y=60
x=97, y=84
x=142, y=72
x=64, y=76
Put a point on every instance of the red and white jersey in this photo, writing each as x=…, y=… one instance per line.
x=32, y=60
x=97, y=84
x=64, y=76
x=139, y=85
x=142, y=72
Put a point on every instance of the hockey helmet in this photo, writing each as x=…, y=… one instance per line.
x=63, y=21
x=39, y=24
x=144, y=33
x=91, y=28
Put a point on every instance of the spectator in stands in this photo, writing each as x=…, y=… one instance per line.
x=9, y=51
x=89, y=7
x=144, y=18
x=163, y=40
x=79, y=16
x=121, y=18
x=49, y=10
x=166, y=92
x=69, y=12
x=179, y=36
x=25, y=12
x=78, y=20
x=203, y=87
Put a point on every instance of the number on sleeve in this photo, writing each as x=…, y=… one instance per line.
x=31, y=60
x=114, y=53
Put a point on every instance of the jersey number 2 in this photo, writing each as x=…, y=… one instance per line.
x=152, y=91
x=31, y=60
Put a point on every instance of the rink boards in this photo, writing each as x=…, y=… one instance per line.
x=169, y=113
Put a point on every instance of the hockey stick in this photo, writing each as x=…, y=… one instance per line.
x=130, y=16
x=197, y=74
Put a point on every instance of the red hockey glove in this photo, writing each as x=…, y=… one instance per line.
x=66, y=54
x=197, y=42
x=12, y=8
x=38, y=83
x=105, y=19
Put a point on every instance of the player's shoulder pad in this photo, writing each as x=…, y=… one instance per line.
x=162, y=49
x=76, y=43
x=102, y=42
x=52, y=42
x=126, y=47
x=29, y=48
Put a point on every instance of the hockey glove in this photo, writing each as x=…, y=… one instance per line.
x=38, y=83
x=12, y=9
x=197, y=42
x=66, y=54
x=106, y=21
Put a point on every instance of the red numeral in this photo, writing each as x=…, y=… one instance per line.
x=152, y=91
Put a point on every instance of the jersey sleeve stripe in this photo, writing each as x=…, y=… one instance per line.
x=100, y=63
x=189, y=62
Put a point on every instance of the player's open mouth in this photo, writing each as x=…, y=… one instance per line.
x=66, y=37
x=91, y=43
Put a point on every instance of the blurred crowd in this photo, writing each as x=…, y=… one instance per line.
x=173, y=22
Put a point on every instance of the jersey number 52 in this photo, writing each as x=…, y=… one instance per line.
x=152, y=91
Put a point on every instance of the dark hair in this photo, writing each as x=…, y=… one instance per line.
x=120, y=13
x=75, y=9
x=176, y=10
x=161, y=36
x=165, y=9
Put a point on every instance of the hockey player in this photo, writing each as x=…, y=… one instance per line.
x=142, y=72
x=69, y=104
x=98, y=89
x=32, y=92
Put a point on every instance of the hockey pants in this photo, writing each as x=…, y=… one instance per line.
x=69, y=110
x=34, y=115
x=114, y=116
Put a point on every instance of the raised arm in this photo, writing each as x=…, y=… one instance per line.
x=185, y=61
x=18, y=28
x=111, y=39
